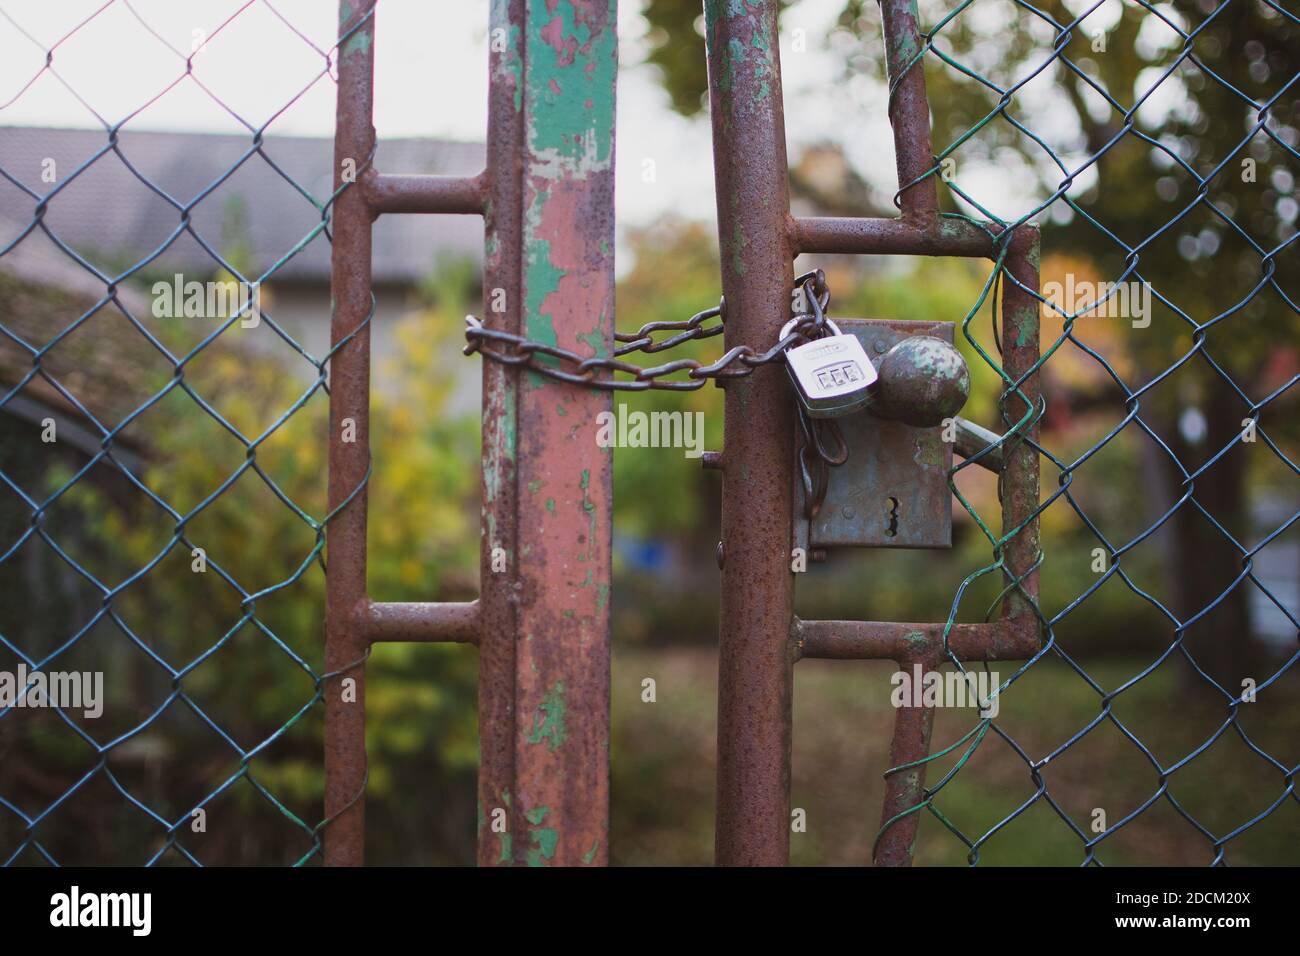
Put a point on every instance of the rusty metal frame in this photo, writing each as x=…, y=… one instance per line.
x=760, y=639
x=541, y=624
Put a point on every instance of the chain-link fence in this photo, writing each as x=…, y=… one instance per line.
x=164, y=514
x=1156, y=145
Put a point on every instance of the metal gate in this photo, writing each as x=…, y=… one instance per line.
x=541, y=624
x=760, y=638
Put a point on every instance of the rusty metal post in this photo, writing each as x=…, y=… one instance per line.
x=503, y=232
x=1019, y=488
x=562, y=484
x=904, y=789
x=909, y=111
x=759, y=637
x=349, y=460
x=755, y=653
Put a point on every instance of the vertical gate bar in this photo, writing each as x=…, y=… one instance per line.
x=349, y=461
x=1019, y=487
x=909, y=110
x=755, y=653
x=563, y=483
x=905, y=789
x=503, y=245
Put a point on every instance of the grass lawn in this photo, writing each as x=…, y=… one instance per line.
x=663, y=767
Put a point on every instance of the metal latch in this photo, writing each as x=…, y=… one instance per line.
x=892, y=492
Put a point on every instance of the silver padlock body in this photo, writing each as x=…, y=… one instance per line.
x=832, y=375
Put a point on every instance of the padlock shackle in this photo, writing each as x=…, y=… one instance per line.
x=826, y=320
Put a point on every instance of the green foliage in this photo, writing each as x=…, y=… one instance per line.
x=248, y=662
x=658, y=491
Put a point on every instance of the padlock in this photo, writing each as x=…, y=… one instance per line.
x=832, y=375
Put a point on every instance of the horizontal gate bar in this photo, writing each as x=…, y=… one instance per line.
x=407, y=623
x=387, y=192
x=1014, y=638
x=896, y=237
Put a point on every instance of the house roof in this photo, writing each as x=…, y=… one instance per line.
x=114, y=219
x=104, y=363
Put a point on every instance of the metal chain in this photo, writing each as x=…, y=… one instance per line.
x=736, y=363
x=821, y=442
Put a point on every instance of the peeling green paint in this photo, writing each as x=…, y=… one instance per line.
x=534, y=485
x=733, y=57
x=903, y=34
x=589, y=507
x=591, y=854
x=758, y=57
x=550, y=505
x=548, y=722
x=545, y=839
x=571, y=84
x=595, y=340
x=764, y=68
x=542, y=275
x=361, y=40
x=570, y=58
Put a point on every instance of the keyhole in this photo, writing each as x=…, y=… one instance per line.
x=891, y=517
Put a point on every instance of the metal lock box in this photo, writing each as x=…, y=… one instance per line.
x=893, y=490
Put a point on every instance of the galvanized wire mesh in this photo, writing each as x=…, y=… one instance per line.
x=1182, y=184
x=82, y=351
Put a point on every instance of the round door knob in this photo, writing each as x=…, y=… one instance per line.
x=923, y=380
